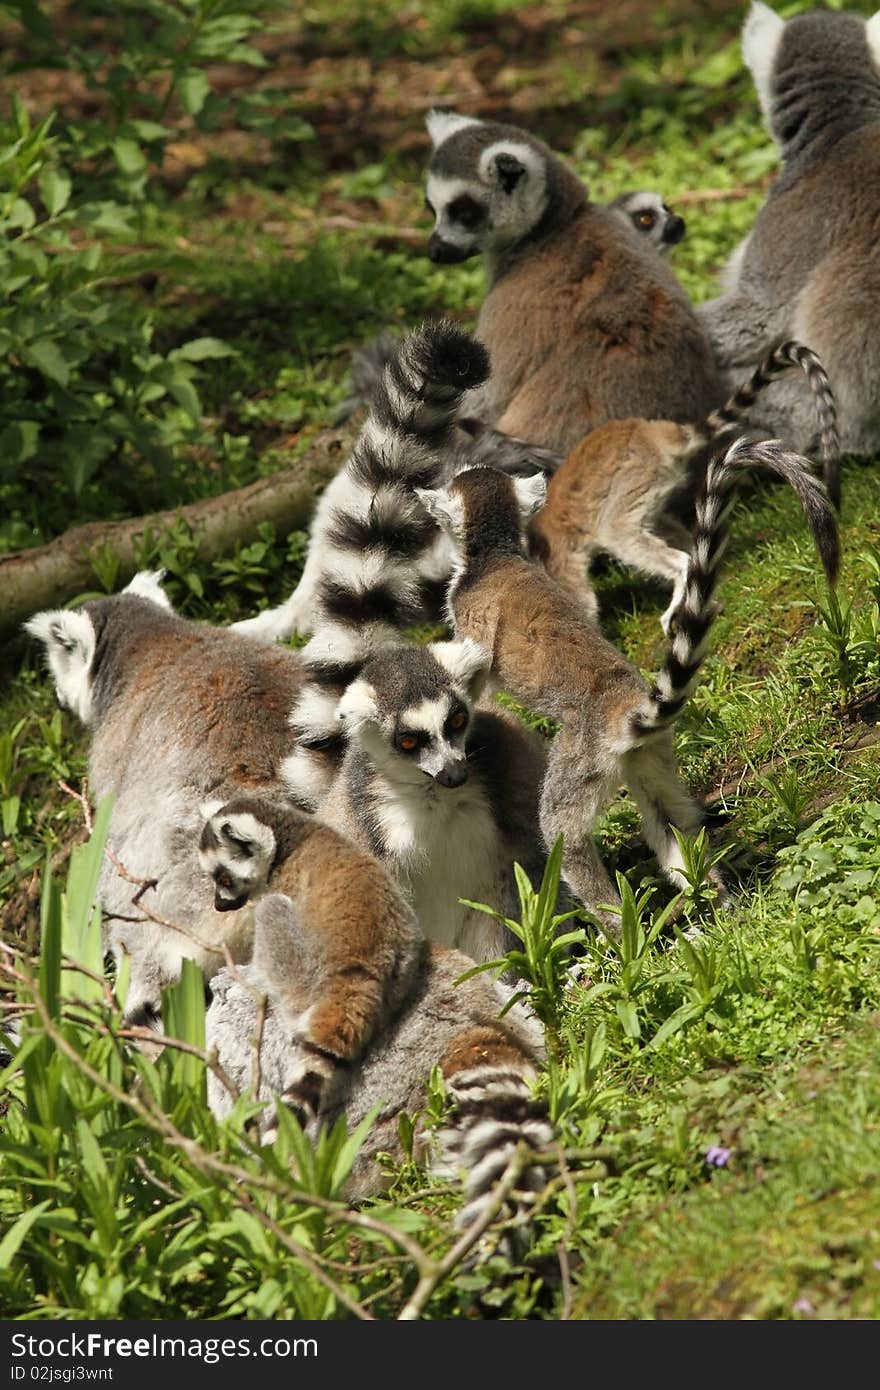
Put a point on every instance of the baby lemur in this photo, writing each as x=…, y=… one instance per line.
x=810, y=266
x=583, y=321
x=177, y=712
x=360, y=944
x=487, y=1063
x=610, y=493
x=614, y=727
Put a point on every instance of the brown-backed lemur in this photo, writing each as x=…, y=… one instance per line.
x=583, y=320
x=615, y=728
x=178, y=712
x=360, y=943
x=609, y=495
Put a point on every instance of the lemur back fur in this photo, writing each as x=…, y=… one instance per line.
x=611, y=493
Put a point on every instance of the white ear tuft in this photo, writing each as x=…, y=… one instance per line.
x=442, y=124
x=358, y=704
x=209, y=808
x=69, y=639
x=148, y=584
x=761, y=36
x=872, y=34
x=466, y=661
x=531, y=493
x=440, y=504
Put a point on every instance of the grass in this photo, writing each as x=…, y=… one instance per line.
x=758, y=1039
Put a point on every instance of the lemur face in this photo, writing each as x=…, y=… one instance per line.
x=236, y=851
x=411, y=708
x=651, y=218
x=486, y=186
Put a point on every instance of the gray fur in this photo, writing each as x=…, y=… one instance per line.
x=631, y=346
x=178, y=712
x=438, y=1017
x=810, y=267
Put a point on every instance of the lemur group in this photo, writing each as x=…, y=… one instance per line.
x=316, y=821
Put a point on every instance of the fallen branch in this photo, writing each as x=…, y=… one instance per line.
x=54, y=573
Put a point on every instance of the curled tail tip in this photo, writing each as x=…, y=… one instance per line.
x=444, y=353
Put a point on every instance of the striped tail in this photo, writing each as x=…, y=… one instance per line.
x=783, y=359
x=696, y=610
x=375, y=556
x=492, y=1113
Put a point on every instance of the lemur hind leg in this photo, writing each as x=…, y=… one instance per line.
x=575, y=792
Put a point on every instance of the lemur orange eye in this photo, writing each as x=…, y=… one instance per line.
x=408, y=743
x=458, y=721
x=223, y=879
x=646, y=219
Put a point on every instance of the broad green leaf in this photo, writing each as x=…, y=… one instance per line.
x=129, y=156
x=46, y=357
x=200, y=349
x=54, y=186
x=193, y=89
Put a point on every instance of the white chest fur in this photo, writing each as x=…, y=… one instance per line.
x=443, y=844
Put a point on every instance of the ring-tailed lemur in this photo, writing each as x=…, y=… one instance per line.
x=488, y=1064
x=375, y=558
x=177, y=712
x=647, y=213
x=583, y=321
x=615, y=728
x=444, y=795
x=611, y=491
x=359, y=943
x=810, y=266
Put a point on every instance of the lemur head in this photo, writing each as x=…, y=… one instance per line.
x=70, y=638
x=487, y=185
x=818, y=59
x=410, y=709
x=237, y=851
x=483, y=509
x=651, y=218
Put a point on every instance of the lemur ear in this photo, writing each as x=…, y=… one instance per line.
x=531, y=493
x=508, y=171
x=358, y=704
x=148, y=584
x=445, y=508
x=466, y=661
x=69, y=639
x=209, y=808
x=872, y=34
x=761, y=36
x=442, y=124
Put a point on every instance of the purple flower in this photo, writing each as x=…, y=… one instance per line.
x=717, y=1156
x=802, y=1305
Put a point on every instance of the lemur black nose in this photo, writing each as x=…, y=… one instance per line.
x=222, y=904
x=443, y=252
x=674, y=230
x=453, y=774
